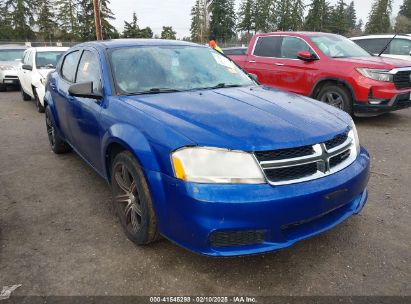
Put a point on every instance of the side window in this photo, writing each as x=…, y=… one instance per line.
x=89, y=70
x=268, y=46
x=68, y=70
x=401, y=47
x=292, y=46
x=373, y=46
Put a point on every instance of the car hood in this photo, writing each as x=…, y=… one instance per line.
x=14, y=63
x=376, y=62
x=249, y=119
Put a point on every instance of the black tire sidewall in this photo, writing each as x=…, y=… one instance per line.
x=148, y=231
x=60, y=146
x=345, y=94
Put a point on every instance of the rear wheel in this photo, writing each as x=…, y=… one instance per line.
x=24, y=95
x=58, y=145
x=132, y=200
x=336, y=96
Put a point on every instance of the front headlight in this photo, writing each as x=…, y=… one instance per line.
x=376, y=74
x=219, y=166
x=354, y=136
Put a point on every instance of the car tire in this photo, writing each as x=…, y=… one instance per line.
x=58, y=145
x=132, y=200
x=336, y=96
x=39, y=106
x=3, y=88
x=24, y=95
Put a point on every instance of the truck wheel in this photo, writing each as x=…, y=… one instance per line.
x=24, y=95
x=58, y=145
x=39, y=106
x=132, y=200
x=336, y=96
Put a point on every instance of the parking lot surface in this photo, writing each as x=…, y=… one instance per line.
x=59, y=236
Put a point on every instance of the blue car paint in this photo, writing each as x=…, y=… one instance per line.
x=248, y=119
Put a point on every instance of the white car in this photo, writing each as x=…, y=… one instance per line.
x=10, y=61
x=399, y=48
x=37, y=64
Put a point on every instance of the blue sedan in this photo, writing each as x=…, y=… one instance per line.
x=196, y=151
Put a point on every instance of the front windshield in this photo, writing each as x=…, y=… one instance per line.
x=11, y=55
x=47, y=59
x=139, y=70
x=336, y=46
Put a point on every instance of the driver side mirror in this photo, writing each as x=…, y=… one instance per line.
x=84, y=90
x=27, y=67
x=306, y=56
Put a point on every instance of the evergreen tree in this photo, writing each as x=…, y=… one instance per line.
x=86, y=27
x=168, y=33
x=198, y=22
x=131, y=29
x=222, y=23
x=351, y=15
x=284, y=19
x=67, y=19
x=265, y=15
x=405, y=9
x=146, y=33
x=379, y=18
x=20, y=14
x=6, y=31
x=297, y=15
x=246, y=16
x=318, y=18
x=46, y=20
x=339, y=18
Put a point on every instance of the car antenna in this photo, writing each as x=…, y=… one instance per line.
x=388, y=44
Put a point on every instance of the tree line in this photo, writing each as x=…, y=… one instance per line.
x=65, y=20
x=220, y=20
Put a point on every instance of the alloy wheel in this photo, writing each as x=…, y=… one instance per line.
x=50, y=130
x=126, y=196
x=333, y=99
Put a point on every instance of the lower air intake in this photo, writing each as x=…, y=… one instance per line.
x=236, y=238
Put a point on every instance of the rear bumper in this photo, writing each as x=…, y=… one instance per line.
x=9, y=77
x=231, y=220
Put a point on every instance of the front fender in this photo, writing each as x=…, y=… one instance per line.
x=133, y=140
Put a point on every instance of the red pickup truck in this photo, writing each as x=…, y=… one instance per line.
x=330, y=68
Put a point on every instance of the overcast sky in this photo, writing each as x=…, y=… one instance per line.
x=156, y=13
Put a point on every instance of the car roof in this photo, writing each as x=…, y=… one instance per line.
x=13, y=47
x=406, y=36
x=118, y=43
x=49, y=49
x=297, y=34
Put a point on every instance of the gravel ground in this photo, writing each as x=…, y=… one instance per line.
x=58, y=234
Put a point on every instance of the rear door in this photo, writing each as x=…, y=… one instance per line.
x=263, y=61
x=85, y=112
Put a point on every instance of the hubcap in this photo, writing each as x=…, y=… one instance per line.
x=127, y=198
x=333, y=99
x=50, y=130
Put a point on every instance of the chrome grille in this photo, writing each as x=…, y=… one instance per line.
x=289, y=166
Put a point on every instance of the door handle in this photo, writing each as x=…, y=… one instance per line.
x=252, y=61
x=279, y=64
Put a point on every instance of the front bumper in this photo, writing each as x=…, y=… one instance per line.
x=9, y=77
x=398, y=102
x=231, y=220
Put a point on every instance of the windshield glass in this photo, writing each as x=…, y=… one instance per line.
x=139, y=70
x=336, y=46
x=11, y=55
x=47, y=59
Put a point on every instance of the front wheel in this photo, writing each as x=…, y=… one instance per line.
x=336, y=96
x=39, y=106
x=58, y=145
x=24, y=95
x=132, y=200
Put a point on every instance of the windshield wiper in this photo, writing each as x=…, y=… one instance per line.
x=218, y=86
x=156, y=91
x=47, y=66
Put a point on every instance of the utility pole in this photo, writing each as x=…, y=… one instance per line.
x=97, y=19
